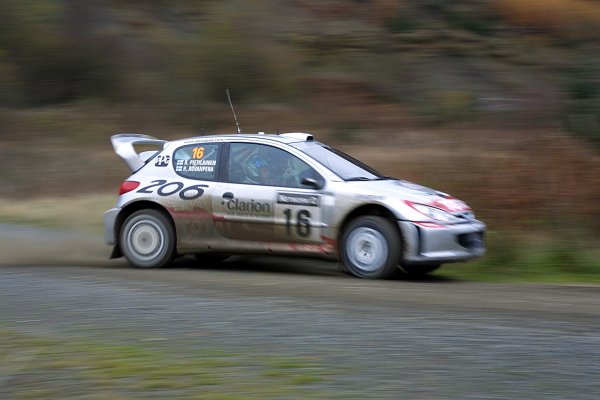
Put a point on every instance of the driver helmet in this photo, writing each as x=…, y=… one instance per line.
x=257, y=169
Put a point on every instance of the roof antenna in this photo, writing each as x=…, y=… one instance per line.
x=233, y=111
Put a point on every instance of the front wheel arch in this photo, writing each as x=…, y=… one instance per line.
x=375, y=210
x=365, y=210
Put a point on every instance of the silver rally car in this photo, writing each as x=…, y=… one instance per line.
x=287, y=194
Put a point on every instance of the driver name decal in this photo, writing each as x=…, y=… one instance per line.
x=195, y=165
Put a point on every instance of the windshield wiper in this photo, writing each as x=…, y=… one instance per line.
x=364, y=178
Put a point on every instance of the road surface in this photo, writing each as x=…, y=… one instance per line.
x=428, y=339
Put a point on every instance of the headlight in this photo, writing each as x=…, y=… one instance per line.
x=435, y=214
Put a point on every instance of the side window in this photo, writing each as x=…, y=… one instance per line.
x=197, y=161
x=258, y=164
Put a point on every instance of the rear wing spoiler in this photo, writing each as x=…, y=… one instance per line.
x=123, y=144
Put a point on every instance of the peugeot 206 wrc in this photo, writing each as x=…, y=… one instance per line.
x=287, y=194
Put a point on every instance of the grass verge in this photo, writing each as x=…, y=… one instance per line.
x=77, y=212
x=533, y=257
x=34, y=367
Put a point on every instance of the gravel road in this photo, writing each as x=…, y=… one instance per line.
x=432, y=339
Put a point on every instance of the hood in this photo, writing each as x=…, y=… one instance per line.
x=395, y=188
x=405, y=190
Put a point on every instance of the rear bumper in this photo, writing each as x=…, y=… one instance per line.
x=109, y=219
x=431, y=243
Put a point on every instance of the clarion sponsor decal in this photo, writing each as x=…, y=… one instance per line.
x=298, y=199
x=250, y=206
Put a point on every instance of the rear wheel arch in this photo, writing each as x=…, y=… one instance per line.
x=135, y=207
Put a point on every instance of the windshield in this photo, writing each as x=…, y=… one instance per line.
x=340, y=163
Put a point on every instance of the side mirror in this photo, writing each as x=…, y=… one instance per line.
x=311, y=183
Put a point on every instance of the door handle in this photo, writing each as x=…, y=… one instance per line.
x=228, y=195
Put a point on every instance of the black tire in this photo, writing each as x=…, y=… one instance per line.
x=418, y=271
x=370, y=248
x=147, y=239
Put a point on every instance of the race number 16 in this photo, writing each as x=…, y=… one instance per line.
x=302, y=222
x=197, y=153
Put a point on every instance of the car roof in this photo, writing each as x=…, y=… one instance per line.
x=285, y=138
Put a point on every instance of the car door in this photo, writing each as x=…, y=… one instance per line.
x=263, y=198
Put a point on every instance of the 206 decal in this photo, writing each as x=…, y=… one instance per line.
x=165, y=188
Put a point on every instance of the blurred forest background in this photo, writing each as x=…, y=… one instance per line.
x=494, y=101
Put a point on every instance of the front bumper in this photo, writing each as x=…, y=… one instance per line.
x=431, y=243
x=110, y=219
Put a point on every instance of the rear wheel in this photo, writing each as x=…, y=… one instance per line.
x=370, y=248
x=147, y=239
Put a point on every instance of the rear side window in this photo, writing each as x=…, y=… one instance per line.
x=197, y=161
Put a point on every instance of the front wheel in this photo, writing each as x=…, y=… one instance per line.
x=370, y=248
x=147, y=239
